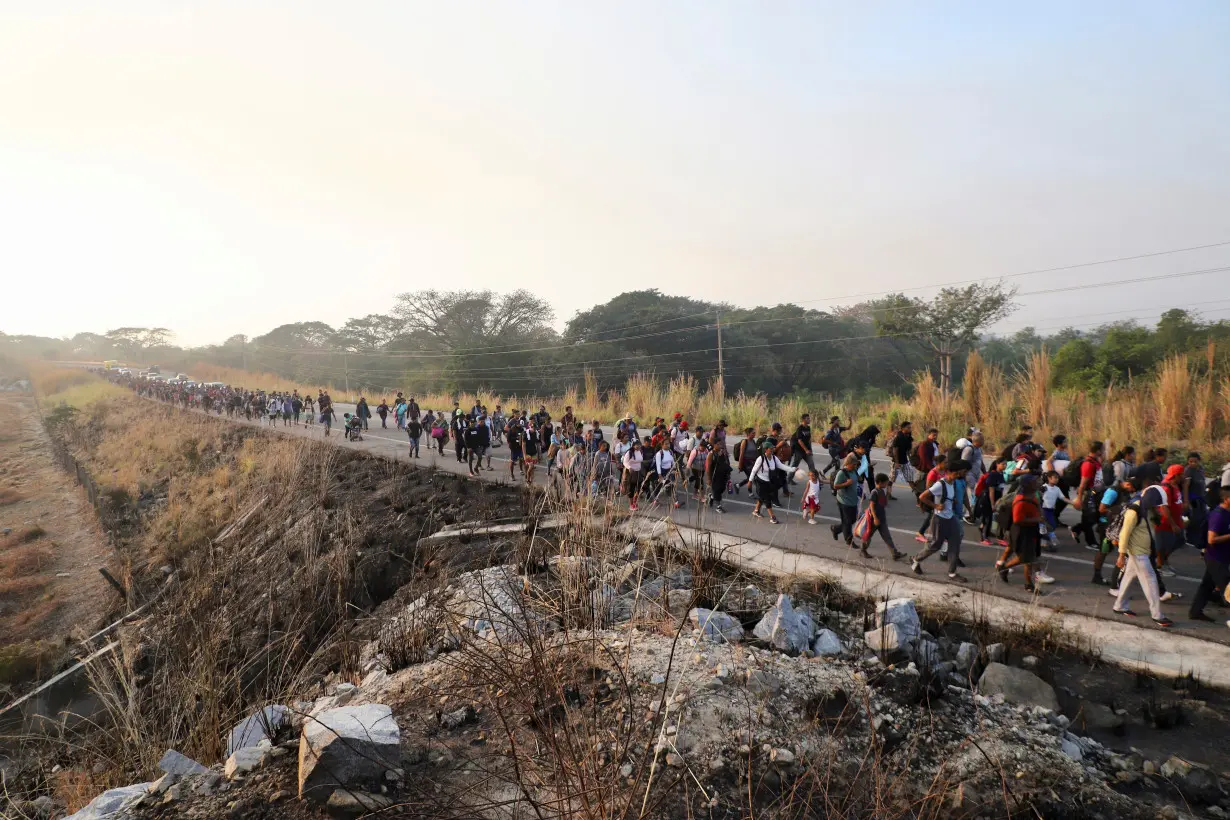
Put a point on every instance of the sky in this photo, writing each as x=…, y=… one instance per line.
x=226, y=167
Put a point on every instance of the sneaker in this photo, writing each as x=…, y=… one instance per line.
x=1171, y=596
x=1114, y=593
x=678, y=504
x=916, y=568
x=1098, y=580
x=943, y=555
x=1199, y=616
x=1003, y=574
x=1001, y=542
x=1163, y=622
x=719, y=509
x=864, y=553
x=836, y=532
x=1166, y=572
x=1042, y=578
x=897, y=556
x=984, y=542
x=922, y=539
x=956, y=576
x=1093, y=547
x=811, y=521
x=774, y=521
x=757, y=514
x=1127, y=612
x=632, y=507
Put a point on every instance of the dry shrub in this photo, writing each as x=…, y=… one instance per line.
x=681, y=395
x=929, y=401
x=1034, y=383
x=643, y=394
x=1204, y=411
x=24, y=560
x=1171, y=396
x=974, y=387
x=9, y=496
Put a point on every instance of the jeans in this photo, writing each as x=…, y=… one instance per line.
x=948, y=534
x=1140, y=568
x=414, y=447
x=1216, y=574
x=848, y=515
x=797, y=457
x=882, y=529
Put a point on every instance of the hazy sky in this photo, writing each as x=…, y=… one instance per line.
x=225, y=167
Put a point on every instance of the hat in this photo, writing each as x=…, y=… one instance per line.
x=628, y=415
x=678, y=416
x=1174, y=471
x=683, y=425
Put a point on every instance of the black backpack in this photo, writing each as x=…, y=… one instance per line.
x=1072, y=473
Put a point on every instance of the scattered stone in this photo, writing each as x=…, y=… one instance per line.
x=173, y=762
x=351, y=802
x=1072, y=750
x=717, y=626
x=997, y=653
x=1030, y=662
x=626, y=770
x=209, y=784
x=967, y=657
x=1095, y=716
x=678, y=602
x=279, y=795
x=111, y=802
x=902, y=613
x=457, y=718
x=888, y=639
x=827, y=644
x=657, y=679
x=760, y=682
x=1148, y=767
x=782, y=757
x=673, y=760
x=786, y=628
x=347, y=747
x=244, y=761
x=1017, y=686
x=263, y=725
x=927, y=654
x=163, y=783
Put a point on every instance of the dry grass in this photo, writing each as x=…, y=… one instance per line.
x=9, y=496
x=1173, y=396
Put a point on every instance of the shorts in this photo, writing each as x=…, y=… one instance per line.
x=514, y=455
x=1025, y=543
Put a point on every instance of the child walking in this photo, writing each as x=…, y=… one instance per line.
x=1050, y=497
x=811, y=497
x=878, y=505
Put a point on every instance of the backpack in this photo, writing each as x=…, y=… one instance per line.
x=915, y=457
x=1072, y=473
x=1003, y=511
x=1108, y=474
x=981, y=487
x=1116, y=525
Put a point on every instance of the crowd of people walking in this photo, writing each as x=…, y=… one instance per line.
x=1135, y=510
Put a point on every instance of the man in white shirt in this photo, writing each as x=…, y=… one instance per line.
x=948, y=528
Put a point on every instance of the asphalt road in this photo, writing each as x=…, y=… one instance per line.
x=1071, y=566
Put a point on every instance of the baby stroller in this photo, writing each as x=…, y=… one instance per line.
x=353, y=426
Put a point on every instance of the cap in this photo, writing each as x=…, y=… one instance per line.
x=1175, y=471
x=678, y=416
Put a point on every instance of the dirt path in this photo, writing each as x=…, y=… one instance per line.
x=50, y=588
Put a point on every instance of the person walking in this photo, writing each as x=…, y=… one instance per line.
x=939, y=498
x=972, y=454
x=834, y=443
x=745, y=457
x=800, y=445
x=363, y=412
x=382, y=410
x=763, y=472
x=899, y=449
x=414, y=430
x=1195, y=488
x=1135, y=545
x=633, y=461
x=877, y=506
x=845, y=485
x=1165, y=500
x=1216, y=560
x=1025, y=534
x=718, y=478
x=459, y=427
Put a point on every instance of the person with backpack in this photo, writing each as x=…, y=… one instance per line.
x=925, y=533
x=928, y=452
x=987, y=492
x=1114, y=499
x=1216, y=560
x=971, y=452
x=1164, y=504
x=1136, y=545
x=414, y=430
x=1024, y=534
x=939, y=498
x=900, y=448
x=877, y=508
x=718, y=474
x=1195, y=487
x=1122, y=466
x=834, y=443
x=1152, y=467
x=1086, y=475
x=800, y=445
x=745, y=457
x=382, y=410
x=845, y=485
x=763, y=475
x=698, y=459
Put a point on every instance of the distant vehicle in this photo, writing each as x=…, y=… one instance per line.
x=214, y=384
x=184, y=377
x=111, y=364
x=143, y=373
x=155, y=369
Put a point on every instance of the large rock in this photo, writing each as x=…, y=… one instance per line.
x=351, y=747
x=111, y=802
x=887, y=639
x=786, y=628
x=263, y=725
x=902, y=612
x=1017, y=686
x=246, y=760
x=1095, y=716
x=173, y=762
x=967, y=657
x=827, y=644
x=717, y=626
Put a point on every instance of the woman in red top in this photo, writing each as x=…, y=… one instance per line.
x=1026, y=516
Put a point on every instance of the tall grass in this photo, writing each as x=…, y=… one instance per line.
x=1173, y=396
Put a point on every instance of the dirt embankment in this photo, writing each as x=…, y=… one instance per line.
x=50, y=549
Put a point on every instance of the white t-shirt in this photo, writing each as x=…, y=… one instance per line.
x=813, y=490
x=1050, y=495
x=942, y=492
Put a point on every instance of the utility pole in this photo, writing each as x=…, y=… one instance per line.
x=721, y=370
x=346, y=373
x=243, y=344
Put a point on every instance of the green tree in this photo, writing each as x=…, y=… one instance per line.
x=1075, y=365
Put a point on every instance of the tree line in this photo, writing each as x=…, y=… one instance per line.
x=440, y=341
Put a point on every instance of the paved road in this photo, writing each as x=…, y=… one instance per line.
x=1072, y=566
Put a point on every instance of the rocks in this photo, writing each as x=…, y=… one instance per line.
x=782, y=757
x=457, y=718
x=350, y=802
x=245, y=761
x=111, y=802
x=887, y=639
x=173, y=762
x=1071, y=749
x=764, y=683
x=717, y=626
x=1098, y=716
x=678, y=602
x=1017, y=686
x=786, y=628
x=997, y=653
x=1195, y=782
x=927, y=654
x=966, y=657
x=263, y=725
x=827, y=644
x=347, y=747
x=903, y=613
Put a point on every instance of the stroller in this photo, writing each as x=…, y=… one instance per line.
x=353, y=426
